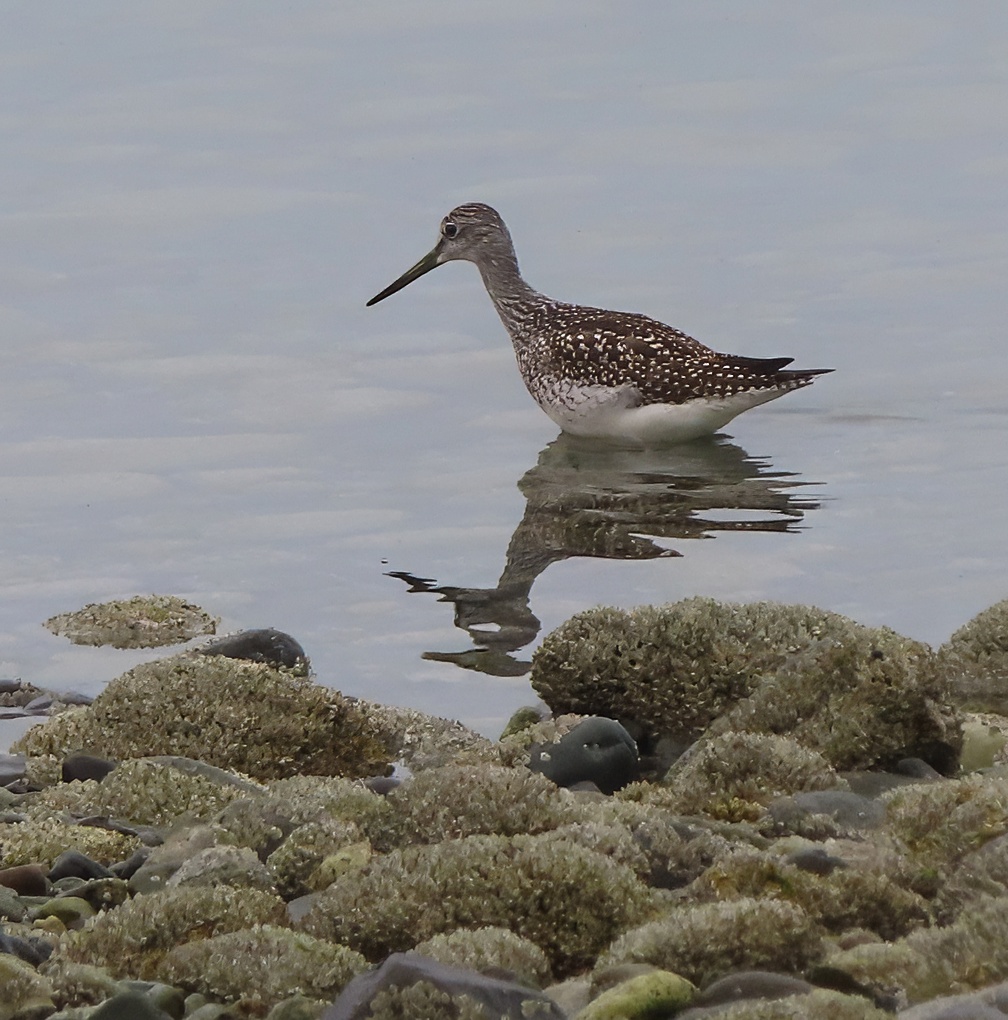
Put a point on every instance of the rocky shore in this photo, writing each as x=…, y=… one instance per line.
x=733, y=811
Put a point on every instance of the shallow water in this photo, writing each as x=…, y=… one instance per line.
x=197, y=201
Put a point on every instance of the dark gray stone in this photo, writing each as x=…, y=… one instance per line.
x=849, y=810
x=263, y=645
x=751, y=984
x=31, y=950
x=597, y=750
x=129, y=1006
x=86, y=766
x=12, y=768
x=916, y=768
x=505, y=999
x=815, y=860
x=74, y=864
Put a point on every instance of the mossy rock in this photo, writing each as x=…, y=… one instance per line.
x=567, y=899
x=975, y=660
x=860, y=696
x=258, y=967
x=144, y=621
x=467, y=800
x=704, y=941
x=243, y=716
x=490, y=949
x=971, y=953
x=845, y=899
x=132, y=940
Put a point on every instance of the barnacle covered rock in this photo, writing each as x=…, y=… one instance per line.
x=40, y=840
x=295, y=863
x=844, y=899
x=860, y=696
x=970, y=953
x=144, y=621
x=701, y=942
x=975, y=659
x=567, y=899
x=244, y=716
x=490, y=948
x=259, y=966
x=132, y=939
x=733, y=776
x=466, y=800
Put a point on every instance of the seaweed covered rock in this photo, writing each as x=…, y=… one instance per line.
x=971, y=953
x=846, y=898
x=409, y=985
x=132, y=940
x=735, y=775
x=975, y=660
x=937, y=824
x=703, y=941
x=568, y=900
x=144, y=621
x=489, y=949
x=258, y=967
x=466, y=800
x=860, y=696
x=237, y=715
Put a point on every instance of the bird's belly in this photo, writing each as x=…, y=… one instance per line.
x=613, y=414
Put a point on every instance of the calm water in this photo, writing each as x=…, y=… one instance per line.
x=197, y=200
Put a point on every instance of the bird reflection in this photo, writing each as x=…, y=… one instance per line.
x=585, y=499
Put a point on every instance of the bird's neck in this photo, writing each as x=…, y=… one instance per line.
x=513, y=298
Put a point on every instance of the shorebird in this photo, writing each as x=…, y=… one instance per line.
x=617, y=376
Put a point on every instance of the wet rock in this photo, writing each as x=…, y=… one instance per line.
x=413, y=981
x=85, y=766
x=861, y=697
x=657, y=993
x=32, y=950
x=273, y=647
x=12, y=908
x=128, y=868
x=25, y=879
x=74, y=863
x=129, y=1005
x=72, y=911
x=163, y=861
x=598, y=751
x=164, y=997
x=12, y=768
x=26, y=995
x=751, y=984
x=989, y=1004
x=144, y=621
x=236, y=715
x=101, y=893
x=851, y=812
x=815, y=860
x=493, y=950
x=262, y=966
x=223, y=865
x=525, y=883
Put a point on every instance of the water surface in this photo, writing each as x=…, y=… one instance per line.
x=196, y=201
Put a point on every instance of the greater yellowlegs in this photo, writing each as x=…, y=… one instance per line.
x=613, y=375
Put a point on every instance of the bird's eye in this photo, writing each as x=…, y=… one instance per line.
x=449, y=229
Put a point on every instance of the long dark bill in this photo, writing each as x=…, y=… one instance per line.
x=425, y=265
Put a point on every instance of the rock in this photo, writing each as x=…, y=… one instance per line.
x=12, y=768
x=74, y=863
x=164, y=997
x=235, y=715
x=25, y=879
x=72, y=911
x=751, y=984
x=975, y=661
x=162, y=862
x=32, y=950
x=129, y=1005
x=101, y=893
x=989, y=1004
x=26, y=995
x=861, y=697
x=223, y=865
x=658, y=993
x=273, y=647
x=850, y=811
x=402, y=973
x=11, y=906
x=83, y=766
x=144, y=621
x=597, y=750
